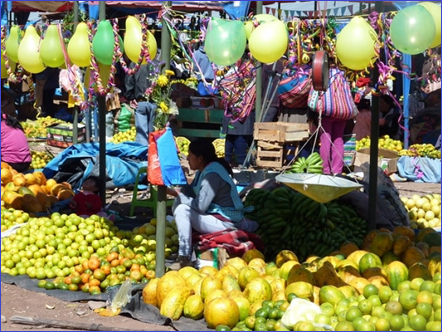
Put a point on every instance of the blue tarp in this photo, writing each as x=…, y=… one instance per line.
x=77, y=162
x=419, y=169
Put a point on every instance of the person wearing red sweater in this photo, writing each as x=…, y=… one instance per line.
x=87, y=202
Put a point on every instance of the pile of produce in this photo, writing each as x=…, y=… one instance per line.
x=387, y=283
x=124, y=136
x=75, y=253
x=220, y=147
x=37, y=128
x=421, y=150
x=40, y=159
x=311, y=164
x=289, y=220
x=384, y=142
x=423, y=211
x=182, y=144
x=31, y=192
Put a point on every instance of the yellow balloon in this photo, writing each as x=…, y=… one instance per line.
x=435, y=12
x=269, y=41
x=79, y=47
x=12, y=43
x=260, y=18
x=133, y=40
x=104, y=71
x=28, y=54
x=4, y=70
x=51, y=52
x=355, y=44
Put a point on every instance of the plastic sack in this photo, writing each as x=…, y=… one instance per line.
x=164, y=168
x=300, y=310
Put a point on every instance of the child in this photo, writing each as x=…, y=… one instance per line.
x=87, y=202
x=362, y=127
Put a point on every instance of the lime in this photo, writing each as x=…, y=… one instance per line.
x=352, y=314
x=382, y=324
x=365, y=307
x=424, y=309
x=41, y=284
x=344, y=326
x=49, y=285
x=396, y=323
x=369, y=290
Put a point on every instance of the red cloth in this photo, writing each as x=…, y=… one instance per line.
x=87, y=204
x=236, y=242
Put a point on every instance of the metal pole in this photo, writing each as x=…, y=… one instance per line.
x=102, y=109
x=258, y=102
x=75, y=115
x=162, y=195
x=373, y=173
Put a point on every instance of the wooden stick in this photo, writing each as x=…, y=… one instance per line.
x=63, y=324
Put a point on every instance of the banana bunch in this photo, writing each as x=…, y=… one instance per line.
x=311, y=164
x=288, y=220
x=183, y=144
x=219, y=145
x=421, y=150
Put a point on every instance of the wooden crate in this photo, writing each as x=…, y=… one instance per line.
x=280, y=131
x=270, y=155
x=200, y=122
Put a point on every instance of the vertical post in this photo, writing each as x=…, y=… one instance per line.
x=258, y=102
x=373, y=173
x=102, y=122
x=162, y=195
x=75, y=115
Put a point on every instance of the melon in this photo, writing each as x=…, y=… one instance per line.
x=397, y=272
x=31, y=179
x=208, y=285
x=432, y=239
x=381, y=243
x=168, y=282
x=194, y=307
x=419, y=270
x=172, y=305
x=258, y=289
x=149, y=294
x=6, y=175
x=330, y=294
x=368, y=261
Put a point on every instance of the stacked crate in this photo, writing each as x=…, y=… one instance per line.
x=272, y=140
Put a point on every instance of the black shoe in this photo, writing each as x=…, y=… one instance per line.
x=181, y=261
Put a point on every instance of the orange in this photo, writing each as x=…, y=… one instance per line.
x=93, y=264
x=99, y=274
x=365, y=307
x=397, y=323
x=94, y=282
x=425, y=297
x=394, y=307
x=424, y=309
x=85, y=278
x=417, y=322
x=369, y=290
x=408, y=299
x=382, y=324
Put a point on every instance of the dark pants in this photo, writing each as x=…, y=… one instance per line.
x=20, y=167
x=237, y=145
x=48, y=105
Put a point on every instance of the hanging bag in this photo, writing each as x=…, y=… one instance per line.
x=337, y=102
x=294, y=87
x=164, y=168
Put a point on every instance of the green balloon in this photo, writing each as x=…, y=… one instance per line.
x=103, y=43
x=412, y=30
x=225, y=41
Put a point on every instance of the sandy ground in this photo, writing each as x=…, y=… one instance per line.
x=16, y=301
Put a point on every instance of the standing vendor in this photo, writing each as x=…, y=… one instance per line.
x=209, y=204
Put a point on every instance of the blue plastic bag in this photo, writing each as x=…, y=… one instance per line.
x=171, y=169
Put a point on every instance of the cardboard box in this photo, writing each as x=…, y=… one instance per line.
x=62, y=135
x=387, y=159
x=215, y=257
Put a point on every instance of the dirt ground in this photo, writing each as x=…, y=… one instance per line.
x=16, y=301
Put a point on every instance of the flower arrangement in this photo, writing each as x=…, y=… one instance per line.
x=159, y=92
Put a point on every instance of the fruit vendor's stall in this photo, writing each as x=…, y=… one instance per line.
x=322, y=265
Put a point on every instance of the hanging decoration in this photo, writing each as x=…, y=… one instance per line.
x=79, y=48
x=434, y=10
x=357, y=35
x=51, y=52
x=269, y=41
x=133, y=40
x=225, y=41
x=12, y=43
x=412, y=30
x=28, y=52
x=103, y=43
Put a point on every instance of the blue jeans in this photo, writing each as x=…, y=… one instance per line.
x=144, y=119
x=237, y=145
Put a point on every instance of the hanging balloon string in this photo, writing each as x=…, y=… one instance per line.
x=72, y=75
x=144, y=54
x=95, y=71
x=12, y=77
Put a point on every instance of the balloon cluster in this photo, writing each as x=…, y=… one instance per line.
x=226, y=41
x=416, y=28
x=35, y=53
